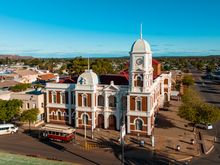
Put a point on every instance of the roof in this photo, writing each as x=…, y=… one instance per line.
x=46, y=76
x=67, y=80
x=155, y=62
x=88, y=77
x=117, y=78
x=8, y=83
x=26, y=72
x=140, y=46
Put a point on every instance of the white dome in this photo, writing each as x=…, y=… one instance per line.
x=88, y=78
x=140, y=46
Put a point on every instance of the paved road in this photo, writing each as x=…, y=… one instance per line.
x=27, y=145
x=210, y=91
x=24, y=144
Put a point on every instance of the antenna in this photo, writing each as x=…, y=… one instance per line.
x=141, y=32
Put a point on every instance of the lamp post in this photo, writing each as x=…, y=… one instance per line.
x=123, y=132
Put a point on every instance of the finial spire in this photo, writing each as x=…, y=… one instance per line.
x=88, y=63
x=141, y=32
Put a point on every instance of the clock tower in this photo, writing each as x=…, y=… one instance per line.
x=141, y=70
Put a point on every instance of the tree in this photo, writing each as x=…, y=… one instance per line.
x=20, y=87
x=188, y=80
x=195, y=110
x=9, y=109
x=30, y=116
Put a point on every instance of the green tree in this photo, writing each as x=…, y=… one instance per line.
x=188, y=80
x=9, y=109
x=20, y=87
x=30, y=116
x=195, y=110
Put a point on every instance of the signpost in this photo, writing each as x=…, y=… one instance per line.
x=123, y=132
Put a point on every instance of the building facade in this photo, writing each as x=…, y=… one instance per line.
x=104, y=101
x=32, y=99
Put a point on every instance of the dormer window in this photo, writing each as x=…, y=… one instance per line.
x=83, y=81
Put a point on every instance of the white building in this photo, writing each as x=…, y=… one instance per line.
x=101, y=100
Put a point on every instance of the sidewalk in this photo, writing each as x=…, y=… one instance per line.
x=170, y=132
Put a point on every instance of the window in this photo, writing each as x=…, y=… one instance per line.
x=63, y=98
x=138, y=104
x=42, y=105
x=34, y=106
x=85, y=119
x=84, y=101
x=112, y=101
x=28, y=105
x=59, y=115
x=139, y=124
x=100, y=100
x=53, y=115
x=139, y=81
x=54, y=97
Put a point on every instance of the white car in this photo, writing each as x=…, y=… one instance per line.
x=8, y=129
x=204, y=126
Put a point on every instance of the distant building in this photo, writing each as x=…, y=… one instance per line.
x=32, y=99
x=100, y=101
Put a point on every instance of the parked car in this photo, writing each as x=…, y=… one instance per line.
x=204, y=126
x=8, y=129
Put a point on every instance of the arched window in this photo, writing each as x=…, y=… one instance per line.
x=100, y=100
x=85, y=119
x=59, y=115
x=138, y=104
x=112, y=101
x=139, y=124
x=53, y=115
x=84, y=100
x=54, y=95
x=139, y=81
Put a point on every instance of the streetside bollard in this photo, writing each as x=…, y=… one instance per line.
x=178, y=147
x=192, y=141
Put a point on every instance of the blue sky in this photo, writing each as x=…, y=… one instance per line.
x=69, y=28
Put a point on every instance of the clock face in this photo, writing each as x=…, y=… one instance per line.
x=139, y=61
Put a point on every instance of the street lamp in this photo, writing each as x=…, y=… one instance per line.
x=122, y=136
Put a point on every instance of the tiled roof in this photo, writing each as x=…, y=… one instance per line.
x=8, y=83
x=155, y=62
x=117, y=78
x=46, y=76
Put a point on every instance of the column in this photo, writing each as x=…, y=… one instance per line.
x=69, y=107
x=128, y=124
x=148, y=125
x=106, y=120
x=118, y=110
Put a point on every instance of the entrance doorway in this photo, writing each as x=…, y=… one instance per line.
x=112, y=122
x=100, y=121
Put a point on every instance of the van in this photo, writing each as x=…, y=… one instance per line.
x=8, y=129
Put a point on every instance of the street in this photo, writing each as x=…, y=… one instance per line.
x=21, y=143
x=210, y=91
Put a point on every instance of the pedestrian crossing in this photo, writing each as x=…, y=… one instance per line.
x=86, y=145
